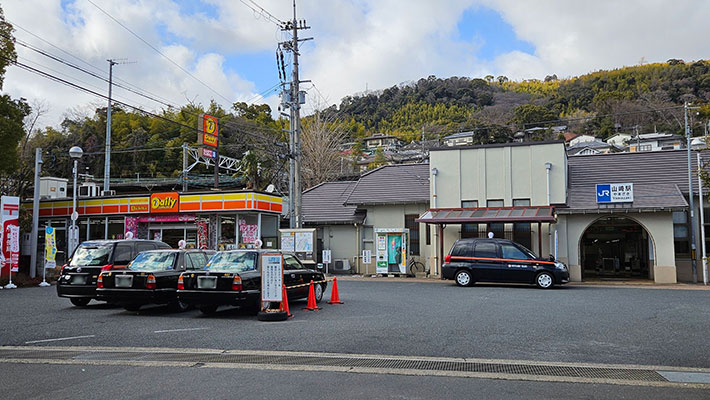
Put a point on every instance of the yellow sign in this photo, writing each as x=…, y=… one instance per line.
x=50, y=247
x=209, y=140
x=209, y=124
x=164, y=202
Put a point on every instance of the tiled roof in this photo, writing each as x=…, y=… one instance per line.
x=392, y=184
x=646, y=197
x=660, y=178
x=323, y=204
x=651, y=167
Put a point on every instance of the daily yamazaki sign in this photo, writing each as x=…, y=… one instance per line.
x=164, y=202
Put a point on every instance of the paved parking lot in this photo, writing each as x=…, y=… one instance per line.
x=572, y=324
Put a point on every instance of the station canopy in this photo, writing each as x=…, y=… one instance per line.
x=443, y=216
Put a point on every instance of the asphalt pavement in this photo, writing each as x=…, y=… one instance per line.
x=397, y=317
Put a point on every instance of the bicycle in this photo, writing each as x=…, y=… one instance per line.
x=414, y=266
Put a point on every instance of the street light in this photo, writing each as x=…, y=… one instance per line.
x=75, y=153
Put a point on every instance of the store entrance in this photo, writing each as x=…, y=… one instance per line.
x=615, y=247
x=173, y=235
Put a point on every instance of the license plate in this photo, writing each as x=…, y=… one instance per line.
x=207, y=282
x=78, y=280
x=124, y=280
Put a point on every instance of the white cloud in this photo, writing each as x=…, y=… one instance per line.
x=358, y=43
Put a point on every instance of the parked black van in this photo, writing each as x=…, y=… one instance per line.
x=77, y=280
x=499, y=260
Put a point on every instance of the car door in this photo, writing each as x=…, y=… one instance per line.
x=294, y=276
x=487, y=264
x=518, y=264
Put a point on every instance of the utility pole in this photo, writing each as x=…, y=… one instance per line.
x=296, y=98
x=690, y=196
x=107, y=162
x=35, y=214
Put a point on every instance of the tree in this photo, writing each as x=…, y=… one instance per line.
x=320, y=146
x=12, y=112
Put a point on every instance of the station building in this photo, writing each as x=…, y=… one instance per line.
x=535, y=194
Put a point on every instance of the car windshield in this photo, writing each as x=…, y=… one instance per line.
x=153, y=261
x=233, y=261
x=526, y=251
x=90, y=255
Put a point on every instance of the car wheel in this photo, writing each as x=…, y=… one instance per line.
x=132, y=307
x=80, y=301
x=318, y=290
x=179, y=306
x=207, y=310
x=544, y=280
x=464, y=278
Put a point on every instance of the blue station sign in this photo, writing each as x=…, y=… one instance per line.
x=615, y=193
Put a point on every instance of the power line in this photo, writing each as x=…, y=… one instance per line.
x=83, y=61
x=159, y=52
x=263, y=13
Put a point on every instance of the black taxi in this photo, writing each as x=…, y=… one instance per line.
x=151, y=278
x=77, y=279
x=233, y=278
x=499, y=260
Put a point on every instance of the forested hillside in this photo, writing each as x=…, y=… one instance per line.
x=632, y=99
x=641, y=98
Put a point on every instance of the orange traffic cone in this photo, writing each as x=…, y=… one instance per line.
x=334, y=296
x=311, y=306
x=284, y=303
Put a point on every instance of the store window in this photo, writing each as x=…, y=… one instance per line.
x=469, y=230
x=115, y=228
x=227, y=232
x=409, y=223
x=248, y=229
x=681, y=238
x=97, y=228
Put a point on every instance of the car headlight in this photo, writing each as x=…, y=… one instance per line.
x=560, y=266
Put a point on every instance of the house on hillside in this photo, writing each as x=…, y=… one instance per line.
x=583, y=139
x=655, y=142
x=620, y=139
x=592, y=147
x=459, y=139
x=380, y=140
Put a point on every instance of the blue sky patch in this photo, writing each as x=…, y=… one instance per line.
x=257, y=67
x=484, y=26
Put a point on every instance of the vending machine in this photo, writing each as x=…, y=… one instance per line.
x=392, y=244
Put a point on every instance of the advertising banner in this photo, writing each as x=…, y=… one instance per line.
x=271, y=277
x=50, y=247
x=10, y=254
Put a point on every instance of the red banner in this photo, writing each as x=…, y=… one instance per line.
x=10, y=255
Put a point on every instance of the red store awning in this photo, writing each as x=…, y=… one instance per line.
x=439, y=216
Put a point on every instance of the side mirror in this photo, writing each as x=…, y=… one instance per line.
x=552, y=258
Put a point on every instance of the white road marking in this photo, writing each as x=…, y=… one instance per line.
x=58, y=339
x=180, y=330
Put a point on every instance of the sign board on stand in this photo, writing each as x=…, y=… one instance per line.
x=367, y=256
x=326, y=259
x=271, y=277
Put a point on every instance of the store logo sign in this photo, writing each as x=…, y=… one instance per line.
x=164, y=202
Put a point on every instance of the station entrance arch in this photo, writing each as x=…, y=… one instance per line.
x=615, y=247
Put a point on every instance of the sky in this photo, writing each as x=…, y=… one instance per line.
x=180, y=51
